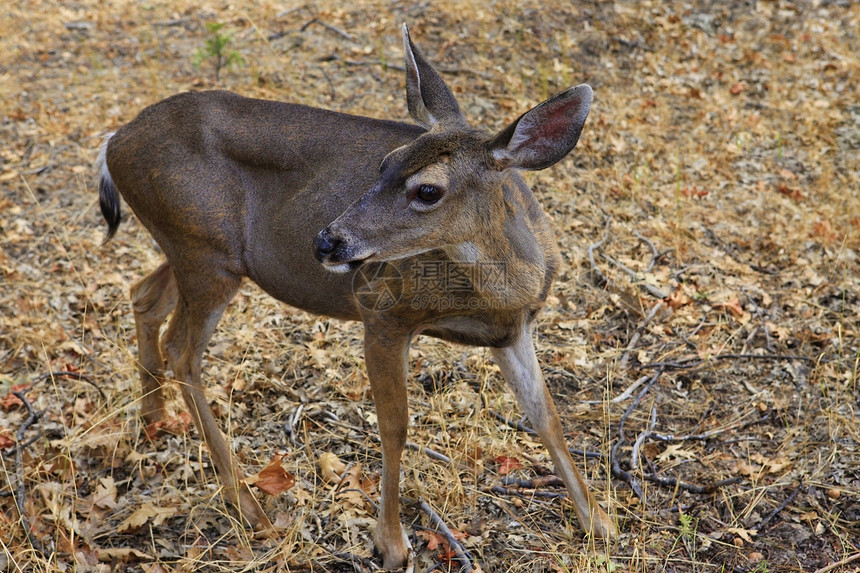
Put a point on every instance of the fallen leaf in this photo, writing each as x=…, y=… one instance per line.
x=676, y=451
x=108, y=554
x=105, y=494
x=144, y=514
x=331, y=467
x=434, y=540
x=10, y=400
x=745, y=534
x=508, y=464
x=272, y=479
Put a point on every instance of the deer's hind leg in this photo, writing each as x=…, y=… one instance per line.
x=152, y=298
x=204, y=290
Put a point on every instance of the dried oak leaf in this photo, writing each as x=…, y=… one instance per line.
x=145, y=513
x=272, y=479
x=105, y=494
x=508, y=464
x=331, y=467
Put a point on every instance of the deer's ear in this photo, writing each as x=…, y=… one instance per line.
x=429, y=99
x=545, y=134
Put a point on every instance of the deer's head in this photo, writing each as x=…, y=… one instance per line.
x=440, y=190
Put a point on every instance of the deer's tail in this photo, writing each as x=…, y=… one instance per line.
x=108, y=194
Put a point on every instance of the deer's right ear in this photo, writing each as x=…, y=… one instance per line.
x=545, y=134
x=428, y=97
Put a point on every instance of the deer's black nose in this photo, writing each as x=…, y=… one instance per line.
x=325, y=245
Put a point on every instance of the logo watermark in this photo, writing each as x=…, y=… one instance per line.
x=438, y=285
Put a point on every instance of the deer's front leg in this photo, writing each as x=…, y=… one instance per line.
x=386, y=357
x=520, y=368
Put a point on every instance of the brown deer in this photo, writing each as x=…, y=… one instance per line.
x=424, y=229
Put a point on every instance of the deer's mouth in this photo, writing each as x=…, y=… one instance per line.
x=343, y=268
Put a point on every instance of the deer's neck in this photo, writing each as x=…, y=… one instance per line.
x=515, y=258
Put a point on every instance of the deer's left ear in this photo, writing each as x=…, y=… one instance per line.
x=545, y=134
x=428, y=97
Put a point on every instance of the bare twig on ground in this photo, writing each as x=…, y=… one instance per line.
x=432, y=454
x=634, y=340
x=328, y=27
x=847, y=561
x=458, y=549
x=637, y=280
x=780, y=507
x=615, y=465
x=688, y=363
x=599, y=278
x=72, y=375
x=32, y=416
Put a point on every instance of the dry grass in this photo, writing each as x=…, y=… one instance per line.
x=728, y=136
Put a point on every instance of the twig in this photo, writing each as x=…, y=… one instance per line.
x=838, y=564
x=637, y=280
x=613, y=457
x=432, y=454
x=442, y=528
x=634, y=340
x=730, y=251
x=533, y=483
x=501, y=490
x=655, y=254
x=600, y=278
x=523, y=428
x=72, y=375
x=329, y=27
x=19, y=466
x=515, y=425
x=687, y=363
x=634, y=454
x=781, y=506
x=709, y=433
x=674, y=482
x=629, y=391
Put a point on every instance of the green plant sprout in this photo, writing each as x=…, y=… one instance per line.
x=216, y=50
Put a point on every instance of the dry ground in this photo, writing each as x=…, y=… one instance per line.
x=721, y=155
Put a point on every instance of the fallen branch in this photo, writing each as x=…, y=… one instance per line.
x=73, y=376
x=523, y=428
x=502, y=490
x=432, y=454
x=615, y=465
x=329, y=27
x=462, y=555
x=634, y=340
x=637, y=280
x=599, y=278
x=780, y=507
x=533, y=483
x=688, y=363
x=32, y=416
x=838, y=564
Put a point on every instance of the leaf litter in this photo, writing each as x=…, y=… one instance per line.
x=724, y=145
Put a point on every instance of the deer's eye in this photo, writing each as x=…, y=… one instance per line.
x=428, y=194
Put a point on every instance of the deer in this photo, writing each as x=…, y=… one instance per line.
x=325, y=211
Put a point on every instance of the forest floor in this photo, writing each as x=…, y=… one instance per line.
x=703, y=335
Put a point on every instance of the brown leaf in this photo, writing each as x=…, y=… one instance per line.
x=144, y=514
x=331, y=467
x=6, y=440
x=272, y=479
x=105, y=494
x=10, y=400
x=434, y=540
x=508, y=464
x=110, y=554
